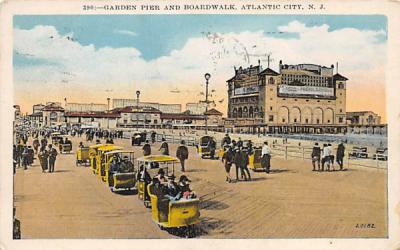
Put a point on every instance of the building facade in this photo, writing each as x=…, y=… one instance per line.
x=53, y=114
x=85, y=107
x=196, y=108
x=130, y=117
x=105, y=120
x=165, y=108
x=363, y=118
x=298, y=98
x=37, y=108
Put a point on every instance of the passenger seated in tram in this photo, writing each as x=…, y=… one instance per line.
x=161, y=176
x=143, y=175
x=160, y=191
x=186, y=192
x=126, y=165
x=81, y=145
x=114, y=166
x=67, y=141
x=173, y=191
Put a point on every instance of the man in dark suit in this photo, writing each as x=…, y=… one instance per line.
x=182, y=153
x=52, y=158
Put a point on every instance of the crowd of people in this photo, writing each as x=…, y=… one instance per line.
x=24, y=154
x=323, y=159
x=236, y=153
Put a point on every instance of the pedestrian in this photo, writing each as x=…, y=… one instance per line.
x=164, y=147
x=153, y=137
x=146, y=148
x=266, y=157
x=236, y=154
x=228, y=159
x=52, y=158
x=31, y=155
x=36, y=145
x=25, y=156
x=182, y=153
x=226, y=140
x=340, y=155
x=212, y=147
x=43, y=158
x=331, y=157
x=316, y=156
x=244, y=162
x=239, y=143
x=326, y=156
x=15, y=156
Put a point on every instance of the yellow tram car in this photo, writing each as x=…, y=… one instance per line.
x=176, y=214
x=82, y=156
x=93, y=150
x=120, y=178
x=152, y=164
x=100, y=159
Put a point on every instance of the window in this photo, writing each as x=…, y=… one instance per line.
x=340, y=119
x=306, y=120
x=271, y=118
x=295, y=120
x=283, y=119
x=271, y=80
x=341, y=110
x=329, y=101
x=317, y=100
x=307, y=100
x=155, y=121
x=329, y=121
x=270, y=108
x=317, y=121
x=295, y=100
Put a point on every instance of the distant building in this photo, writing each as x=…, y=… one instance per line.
x=53, y=114
x=181, y=120
x=37, y=108
x=100, y=119
x=17, y=111
x=214, y=117
x=166, y=108
x=132, y=116
x=85, y=107
x=302, y=98
x=197, y=108
x=363, y=118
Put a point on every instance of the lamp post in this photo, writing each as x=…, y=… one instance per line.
x=108, y=111
x=137, y=109
x=207, y=76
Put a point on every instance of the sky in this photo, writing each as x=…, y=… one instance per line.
x=87, y=58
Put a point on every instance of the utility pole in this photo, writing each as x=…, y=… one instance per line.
x=137, y=109
x=207, y=77
x=108, y=111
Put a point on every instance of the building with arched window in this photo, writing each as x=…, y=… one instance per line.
x=297, y=98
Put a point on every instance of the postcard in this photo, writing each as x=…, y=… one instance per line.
x=200, y=124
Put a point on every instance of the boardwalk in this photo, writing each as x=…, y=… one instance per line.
x=292, y=201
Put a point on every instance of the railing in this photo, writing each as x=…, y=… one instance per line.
x=286, y=151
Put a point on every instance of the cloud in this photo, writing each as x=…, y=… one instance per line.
x=357, y=51
x=126, y=32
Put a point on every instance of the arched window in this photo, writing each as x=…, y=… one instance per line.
x=239, y=113
x=251, y=112
x=53, y=116
x=234, y=115
x=271, y=80
x=245, y=114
